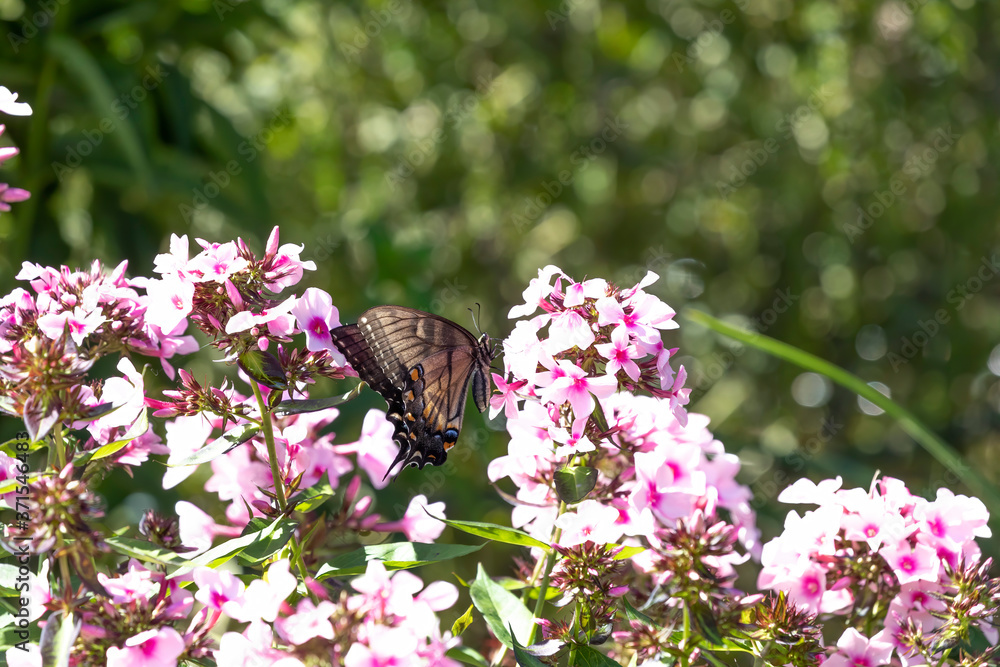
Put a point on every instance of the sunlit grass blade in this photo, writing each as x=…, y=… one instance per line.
x=934, y=445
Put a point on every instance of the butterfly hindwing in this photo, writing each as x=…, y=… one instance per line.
x=422, y=365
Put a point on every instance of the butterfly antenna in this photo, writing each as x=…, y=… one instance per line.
x=475, y=317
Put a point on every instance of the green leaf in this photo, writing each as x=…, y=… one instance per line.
x=219, y=446
x=462, y=622
x=57, y=639
x=937, y=447
x=591, y=657
x=521, y=655
x=10, y=484
x=265, y=368
x=261, y=550
x=628, y=552
x=298, y=406
x=574, y=483
x=311, y=498
x=500, y=608
x=633, y=614
x=139, y=427
x=395, y=556
x=496, y=533
x=468, y=656
x=144, y=551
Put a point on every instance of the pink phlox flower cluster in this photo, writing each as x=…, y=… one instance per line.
x=577, y=380
x=399, y=622
x=915, y=539
x=10, y=105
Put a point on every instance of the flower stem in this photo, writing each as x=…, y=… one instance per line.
x=272, y=455
x=279, y=483
x=543, y=588
x=58, y=447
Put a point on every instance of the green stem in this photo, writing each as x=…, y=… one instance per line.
x=686, y=639
x=58, y=447
x=279, y=483
x=543, y=588
x=272, y=454
x=934, y=445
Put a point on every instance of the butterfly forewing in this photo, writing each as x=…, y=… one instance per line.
x=422, y=365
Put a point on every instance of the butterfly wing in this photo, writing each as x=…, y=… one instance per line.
x=422, y=365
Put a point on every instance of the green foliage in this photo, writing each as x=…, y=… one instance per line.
x=824, y=171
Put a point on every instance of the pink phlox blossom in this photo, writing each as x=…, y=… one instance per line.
x=31, y=656
x=421, y=522
x=219, y=589
x=592, y=521
x=315, y=314
x=569, y=382
x=537, y=513
x=185, y=435
x=382, y=594
x=856, y=650
x=252, y=647
x=872, y=523
x=523, y=350
x=286, y=268
x=278, y=320
x=160, y=647
x=805, y=583
x=568, y=329
x=263, y=597
x=169, y=302
x=216, y=262
x=572, y=442
x=196, y=528
x=912, y=563
x=236, y=477
x=575, y=293
x=385, y=647
x=529, y=448
x=175, y=261
x=78, y=323
x=135, y=585
x=805, y=491
x=166, y=345
x=620, y=354
x=506, y=399
x=41, y=278
x=375, y=449
x=127, y=396
x=953, y=518
x=538, y=290
x=9, y=104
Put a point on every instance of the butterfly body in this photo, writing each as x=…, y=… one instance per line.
x=423, y=366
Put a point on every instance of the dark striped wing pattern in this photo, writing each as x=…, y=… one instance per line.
x=422, y=365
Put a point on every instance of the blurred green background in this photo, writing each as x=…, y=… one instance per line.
x=828, y=168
